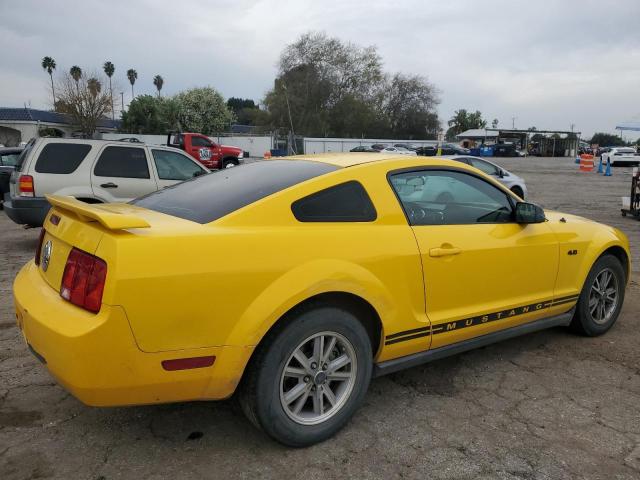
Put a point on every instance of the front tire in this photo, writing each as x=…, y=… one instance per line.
x=308, y=377
x=601, y=298
x=230, y=163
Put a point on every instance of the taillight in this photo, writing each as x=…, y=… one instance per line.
x=25, y=186
x=39, y=247
x=83, y=280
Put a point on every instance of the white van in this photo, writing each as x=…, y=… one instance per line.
x=94, y=171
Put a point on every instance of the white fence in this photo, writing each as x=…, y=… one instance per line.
x=324, y=145
x=256, y=146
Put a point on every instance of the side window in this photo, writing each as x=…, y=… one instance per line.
x=200, y=142
x=9, y=160
x=443, y=197
x=63, y=158
x=175, y=166
x=125, y=162
x=347, y=202
x=486, y=167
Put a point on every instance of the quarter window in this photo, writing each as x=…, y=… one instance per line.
x=122, y=162
x=347, y=202
x=175, y=166
x=62, y=158
x=483, y=166
x=443, y=197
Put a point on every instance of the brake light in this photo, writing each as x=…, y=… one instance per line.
x=39, y=247
x=25, y=186
x=83, y=280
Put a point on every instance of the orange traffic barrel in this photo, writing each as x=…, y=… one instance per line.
x=267, y=155
x=586, y=163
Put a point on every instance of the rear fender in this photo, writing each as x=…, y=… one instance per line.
x=306, y=281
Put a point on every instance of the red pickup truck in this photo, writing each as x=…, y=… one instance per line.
x=207, y=152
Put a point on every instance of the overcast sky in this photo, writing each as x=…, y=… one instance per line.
x=547, y=63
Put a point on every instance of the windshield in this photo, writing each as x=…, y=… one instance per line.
x=212, y=196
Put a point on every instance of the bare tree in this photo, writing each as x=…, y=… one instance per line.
x=83, y=101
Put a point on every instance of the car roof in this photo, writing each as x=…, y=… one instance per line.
x=352, y=159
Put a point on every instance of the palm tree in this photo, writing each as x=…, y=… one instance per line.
x=94, y=86
x=132, y=75
x=158, y=81
x=49, y=64
x=76, y=74
x=109, y=69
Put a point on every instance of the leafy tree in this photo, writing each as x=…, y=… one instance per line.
x=94, y=86
x=409, y=106
x=109, y=69
x=247, y=112
x=149, y=114
x=49, y=64
x=76, y=74
x=607, y=140
x=203, y=110
x=132, y=75
x=238, y=104
x=462, y=121
x=83, y=101
x=494, y=123
x=325, y=86
x=158, y=81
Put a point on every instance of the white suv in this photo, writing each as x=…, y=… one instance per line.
x=621, y=156
x=94, y=171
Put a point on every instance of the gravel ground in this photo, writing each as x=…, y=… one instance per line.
x=548, y=405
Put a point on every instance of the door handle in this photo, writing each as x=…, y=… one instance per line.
x=109, y=185
x=444, y=251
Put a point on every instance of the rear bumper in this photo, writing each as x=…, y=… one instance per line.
x=624, y=160
x=26, y=211
x=95, y=357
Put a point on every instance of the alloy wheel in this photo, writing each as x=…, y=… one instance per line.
x=318, y=378
x=603, y=296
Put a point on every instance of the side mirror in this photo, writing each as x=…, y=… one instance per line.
x=529, y=213
x=501, y=173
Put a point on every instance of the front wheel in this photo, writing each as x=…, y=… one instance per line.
x=601, y=298
x=309, y=377
x=230, y=163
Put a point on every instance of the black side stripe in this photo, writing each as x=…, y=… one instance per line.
x=475, y=320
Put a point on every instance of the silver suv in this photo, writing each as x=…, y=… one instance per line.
x=94, y=171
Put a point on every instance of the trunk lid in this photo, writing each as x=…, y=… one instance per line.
x=72, y=223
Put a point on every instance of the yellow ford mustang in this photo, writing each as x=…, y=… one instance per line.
x=294, y=281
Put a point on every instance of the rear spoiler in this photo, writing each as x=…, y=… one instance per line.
x=108, y=216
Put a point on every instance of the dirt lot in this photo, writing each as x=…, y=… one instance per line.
x=549, y=405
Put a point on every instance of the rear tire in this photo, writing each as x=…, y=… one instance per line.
x=601, y=298
x=297, y=404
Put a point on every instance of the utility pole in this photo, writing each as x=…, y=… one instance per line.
x=122, y=105
x=513, y=122
x=572, y=125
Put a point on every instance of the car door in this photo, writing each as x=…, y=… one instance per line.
x=172, y=167
x=122, y=173
x=482, y=271
x=206, y=151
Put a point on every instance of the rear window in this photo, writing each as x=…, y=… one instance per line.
x=209, y=197
x=62, y=158
x=625, y=150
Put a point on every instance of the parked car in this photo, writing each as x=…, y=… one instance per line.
x=505, y=150
x=621, y=156
x=408, y=146
x=447, y=149
x=510, y=180
x=8, y=160
x=211, y=154
x=379, y=146
x=398, y=150
x=363, y=148
x=264, y=279
x=94, y=171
